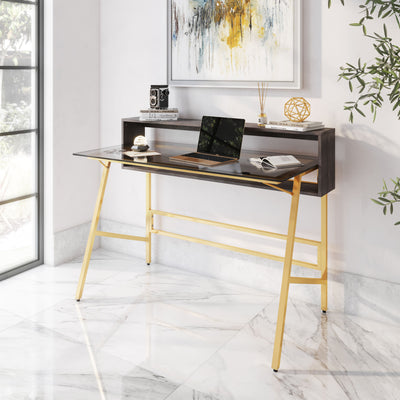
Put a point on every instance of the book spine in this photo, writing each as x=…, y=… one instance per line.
x=284, y=127
x=158, y=117
x=160, y=111
x=296, y=124
x=293, y=128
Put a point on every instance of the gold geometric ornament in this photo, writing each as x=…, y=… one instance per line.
x=297, y=109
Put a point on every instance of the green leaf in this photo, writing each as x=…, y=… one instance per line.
x=395, y=195
x=359, y=111
x=361, y=82
x=377, y=202
x=376, y=79
x=386, y=14
x=385, y=185
x=396, y=105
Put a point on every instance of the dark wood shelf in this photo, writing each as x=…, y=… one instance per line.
x=132, y=127
x=251, y=129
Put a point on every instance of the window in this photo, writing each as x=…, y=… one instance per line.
x=21, y=136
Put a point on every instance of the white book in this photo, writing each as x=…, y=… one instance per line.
x=158, y=119
x=158, y=116
x=147, y=153
x=294, y=128
x=298, y=124
x=284, y=161
x=160, y=110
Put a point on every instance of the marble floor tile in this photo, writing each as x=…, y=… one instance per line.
x=39, y=363
x=8, y=319
x=161, y=333
x=170, y=322
x=337, y=357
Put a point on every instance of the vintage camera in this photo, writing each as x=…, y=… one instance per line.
x=159, y=96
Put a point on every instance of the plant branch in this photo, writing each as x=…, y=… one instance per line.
x=373, y=81
x=381, y=77
x=387, y=197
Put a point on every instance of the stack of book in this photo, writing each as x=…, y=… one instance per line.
x=295, y=126
x=162, y=114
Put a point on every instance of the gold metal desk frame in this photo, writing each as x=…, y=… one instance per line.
x=287, y=260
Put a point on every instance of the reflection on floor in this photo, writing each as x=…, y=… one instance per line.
x=162, y=333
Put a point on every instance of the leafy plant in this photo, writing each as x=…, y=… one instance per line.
x=372, y=81
x=388, y=197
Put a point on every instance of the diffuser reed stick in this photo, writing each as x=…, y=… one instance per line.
x=262, y=95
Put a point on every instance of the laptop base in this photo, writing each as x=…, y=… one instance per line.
x=208, y=160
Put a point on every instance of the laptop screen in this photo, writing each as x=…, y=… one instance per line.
x=222, y=136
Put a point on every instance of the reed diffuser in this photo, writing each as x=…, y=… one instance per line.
x=262, y=95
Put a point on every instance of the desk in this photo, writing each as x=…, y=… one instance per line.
x=288, y=181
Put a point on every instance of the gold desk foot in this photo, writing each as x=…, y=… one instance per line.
x=280, y=325
x=324, y=253
x=93, y=228
x=149, y=218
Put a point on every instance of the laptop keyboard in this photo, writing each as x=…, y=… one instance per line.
x=210, y=157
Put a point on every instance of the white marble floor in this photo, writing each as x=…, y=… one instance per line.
x=161, y=333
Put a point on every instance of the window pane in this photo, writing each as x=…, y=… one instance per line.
x=18, y=233
x=18, y=162
x=17, y=34
x=17, y=108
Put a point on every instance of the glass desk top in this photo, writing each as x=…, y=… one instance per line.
x=240, y=169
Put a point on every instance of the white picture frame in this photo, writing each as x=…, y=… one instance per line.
x=283, y=66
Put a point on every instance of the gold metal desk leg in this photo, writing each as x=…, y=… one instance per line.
x=149, y=218
x=287, y=267
x=93, y=228
x=324, y=253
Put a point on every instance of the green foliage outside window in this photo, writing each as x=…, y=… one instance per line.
x=15, y=86
x=15, y=30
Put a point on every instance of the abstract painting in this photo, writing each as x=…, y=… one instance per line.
x=234, y=42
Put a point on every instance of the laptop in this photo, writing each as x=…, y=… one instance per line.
x=220, y=142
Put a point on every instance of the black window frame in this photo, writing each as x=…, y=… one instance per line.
x=39, y=130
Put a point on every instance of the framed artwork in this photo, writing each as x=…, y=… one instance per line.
x=234, y=43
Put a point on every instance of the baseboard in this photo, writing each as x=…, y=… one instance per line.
x=130, y=247
x=71, y=243
x=349, y=293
